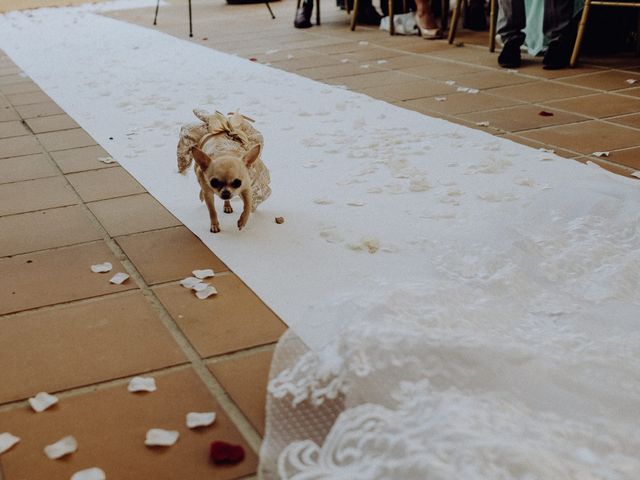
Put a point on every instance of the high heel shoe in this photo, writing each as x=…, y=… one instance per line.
x=429, y=33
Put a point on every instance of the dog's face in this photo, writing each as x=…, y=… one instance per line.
x=227, y=175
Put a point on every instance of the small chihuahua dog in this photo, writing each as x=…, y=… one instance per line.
x=226, y=150
x=225, y=175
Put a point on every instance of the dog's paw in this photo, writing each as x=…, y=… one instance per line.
x=215, y=229
x=228, y=209
x=242, y=222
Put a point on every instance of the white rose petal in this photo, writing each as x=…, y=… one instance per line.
x=600, y=154
x=473, y=90
x=631, y=81
x=190, y=282
x=157, y=437
x=381, y=62
x=206, y=273
x=7, y=441
x=271, y=52
x=462, y=89
x=440, y=99
x=62, y=447
x=450, y=82
x=547, y=150
x=101, y=267
x=199, y=287
x=363, y=42
x=142, y=384
x=355, y=203
x=206, y=293
x=204, y=419
x=94, y=473
x=636, y=174
x=289, y=57
x=106, y=160
x=482, y=124
x=119, y=278
x=42, y=401
x=365, y=65
x=322, y=201
x=344, y=60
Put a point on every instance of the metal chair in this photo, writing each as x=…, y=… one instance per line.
x=583, y=22
x=493, y=19
x=443, y=17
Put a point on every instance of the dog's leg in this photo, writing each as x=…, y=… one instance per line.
x=201, y=195
x=215, y=226
x=227, y=207
x=246, y=208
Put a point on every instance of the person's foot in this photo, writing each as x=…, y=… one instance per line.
x=303, y=16
x=475, y=17
x=368, y=15
x=510, y=55
x=557, y=56
x=428, y=26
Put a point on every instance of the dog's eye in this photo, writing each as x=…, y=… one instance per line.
x=236, y=183
x=215, y=183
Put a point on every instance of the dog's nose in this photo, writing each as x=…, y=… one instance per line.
x=225, y=194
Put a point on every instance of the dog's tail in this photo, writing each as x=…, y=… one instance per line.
x=189, y=137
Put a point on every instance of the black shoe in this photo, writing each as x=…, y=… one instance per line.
x=510, y=55
x=368, y=15
x=557, y=56
x=475, y=18
x=303, y=16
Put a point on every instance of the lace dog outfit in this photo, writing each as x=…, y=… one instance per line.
x=219, y=134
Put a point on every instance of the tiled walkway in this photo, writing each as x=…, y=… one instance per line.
x=68, y=331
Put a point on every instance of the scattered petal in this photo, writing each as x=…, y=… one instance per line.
x=636, y=174
x=157, y=437
x=206, y=293
x=547, y=150
x=223, y=453
x=483, y=124
x=371, y=244
x=94, y=473
x=119, y=278
x=204, y=419
x=381, y=62
x=344, y=60
x=253, y=59
x=355, y=203
x=440, y=99
x=365, y=65
x=190, y=282
x=419, y=185
x=272, y=51
x=62, y=447
x=322, y=201
x=289, y=57
x=462, y=89
x=101, y=267
x=473, y=91
x=512, y=70
x=7, y=441
x=544, y=113
x=206, y=273
x=600, y=154
x=199, y=287
x=363, y=42
x=142, y=384
x=631, y=81
x=450, y=82
x=42, y=401
x=279, y=220
x=106, y=160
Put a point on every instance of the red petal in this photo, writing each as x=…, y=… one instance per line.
x=253, y=59
x=544, y=113
x=223, y=453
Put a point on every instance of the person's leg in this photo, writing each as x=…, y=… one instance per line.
x=303, y=14
x=557, y=30
x=424, y=16
x=510, y=24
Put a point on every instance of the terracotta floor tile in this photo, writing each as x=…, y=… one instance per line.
x=342, y=47
x=112, y=337
x=169, y=254
x=629, y=158
x=469, y=54
x=534, y=68
x=110, y=426
x=532, y=143
x=600, y=105
x=52, y=123
x=28, y=167
x=632, y=120
x=462, y=103
x=374, y=79
x=586, y=137
x=56, y=227
x=20, y=87
x=66, y=139
x=81, y=159
x=12, y=70
x=12, y=80
x=490, y=79
x=634, y=92
x=245, y=380
x=421, y=46
x=32, y=195
x=442, y=69
x=12, y=129
x=368, y=55
x=39, y=110
x=54, y=276
x=612, y=167
x=522, y=117
x=28, y=98
x=607, y=80
x=133, y=214
x=233, y=320
x=539, y=91
x=409, y=91
x=314, y=61
x=106, y=183
x=17, y=146
x=7, y=114
x=402, y=61
x=332, y=71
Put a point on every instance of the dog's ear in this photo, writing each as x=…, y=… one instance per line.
x=201, y=158
x=252, y=155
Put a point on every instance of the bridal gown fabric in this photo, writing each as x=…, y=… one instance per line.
x=460, y=306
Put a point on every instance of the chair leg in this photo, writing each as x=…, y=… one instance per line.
x=581, y=28
x=493, y=21
x=317, y=12
x=190, y=22
x=444, y=14
x=454, y=21
x=155, y=19
x=354, y=15
x=392, y=27
x=297, y=5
